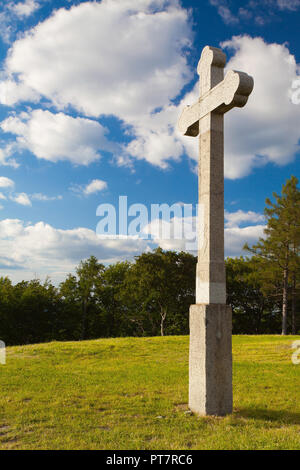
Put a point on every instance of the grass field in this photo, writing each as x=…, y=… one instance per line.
x=132, y=394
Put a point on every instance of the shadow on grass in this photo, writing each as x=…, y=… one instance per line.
x=280, y=416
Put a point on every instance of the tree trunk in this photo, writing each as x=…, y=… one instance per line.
x=285, y=300
x=294, y=326
x=163, y=317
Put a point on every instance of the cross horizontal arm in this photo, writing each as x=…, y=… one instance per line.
x=232, y=92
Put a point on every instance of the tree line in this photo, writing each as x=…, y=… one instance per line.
x=151, y=296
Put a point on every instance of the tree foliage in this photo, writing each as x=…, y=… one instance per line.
x=279, y=252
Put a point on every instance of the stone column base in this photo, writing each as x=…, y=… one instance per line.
x=210, y=364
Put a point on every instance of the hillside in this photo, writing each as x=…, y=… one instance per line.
x=132, y=393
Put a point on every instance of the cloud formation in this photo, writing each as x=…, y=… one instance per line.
x=94, y=186
x=6, y=182
x=12, y=13
x=39, y=249
x=21, y=198
x=26, y=248
x=136, y=80
x=23, y=9
x=267, y=129
x=240, y=228
x=8, y=185
x=58, y=136
x=234, y=219
x=129, y=78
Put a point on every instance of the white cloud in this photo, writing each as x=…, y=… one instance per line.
x=11, y=13
x=6, y=182
x=24, y=9
x=129, y=54
x=6, y=153
x=58, y=136
x=128, y=61
x=21, y=198
x=44, y=197
x=234, y=219
x=39, y=248
x=5, y=27
x=236, y=237
x=157, y=138
x=94, y=186
x=135, y=80
x=267, y=129
x=12, y=92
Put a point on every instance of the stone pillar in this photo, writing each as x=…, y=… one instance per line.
x=210, y=372
x=210, y=386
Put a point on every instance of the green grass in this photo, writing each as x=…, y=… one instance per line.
x=132, y=394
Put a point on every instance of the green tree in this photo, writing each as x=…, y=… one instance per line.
x=71, y=315
x=35, y=311
x=253, y=312
x=112, y=309
x=7, y=310
x=279, y=250
x=160, y=288
x=89, y=273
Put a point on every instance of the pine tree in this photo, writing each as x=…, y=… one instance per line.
x=280, y=249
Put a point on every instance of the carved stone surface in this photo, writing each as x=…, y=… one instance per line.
x=210, y=384
x=210, y=356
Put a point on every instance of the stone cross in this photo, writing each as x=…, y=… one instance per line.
x=210, y=363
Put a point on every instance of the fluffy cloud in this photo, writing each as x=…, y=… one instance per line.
x=267, y=129
x=234, y=219
x=6, y=182
x=8, y=185
x=6, y=153
x=12, y=92
x=134, y=75
x=94, y=186
x=157, y=139
x=11, y=13
x=58, y=136
x=131, y=55
x=235, y=235
x=23, y=9
x=21, y=198
x=39, y=248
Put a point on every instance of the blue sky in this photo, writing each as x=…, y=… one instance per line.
x=90, y=93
